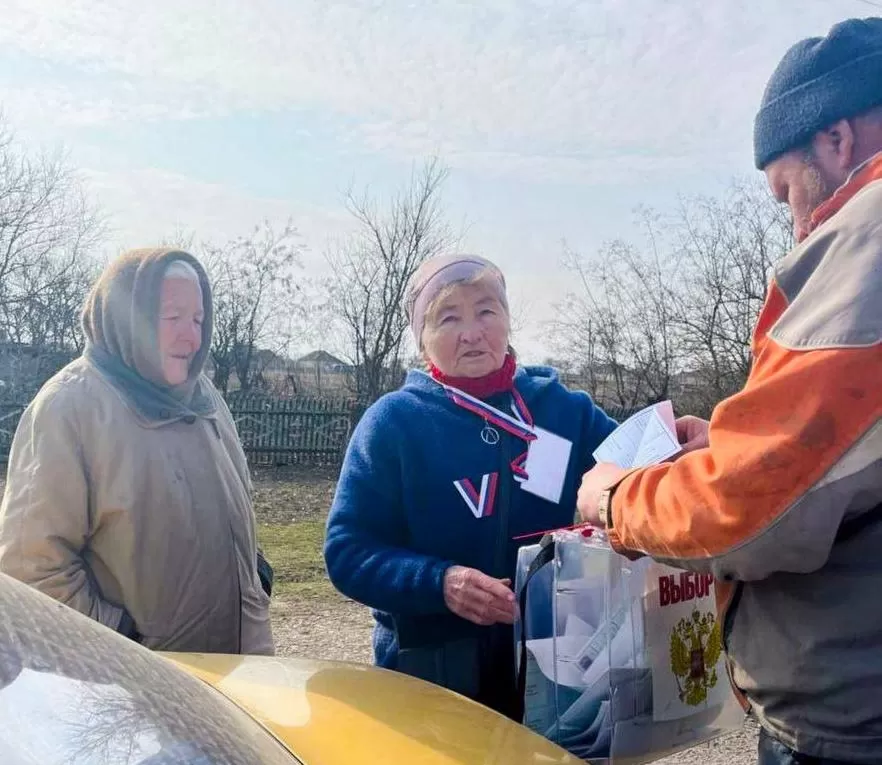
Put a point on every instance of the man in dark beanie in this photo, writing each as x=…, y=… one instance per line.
x=780, y=495
x=821, y=117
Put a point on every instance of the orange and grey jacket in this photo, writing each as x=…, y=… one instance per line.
x=781, y=508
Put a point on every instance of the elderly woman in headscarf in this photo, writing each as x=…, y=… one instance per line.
x=443, y=476
x=128, y=495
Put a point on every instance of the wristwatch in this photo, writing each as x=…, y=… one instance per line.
x=604, y=507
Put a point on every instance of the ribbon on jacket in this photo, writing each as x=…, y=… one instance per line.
x=519, y=424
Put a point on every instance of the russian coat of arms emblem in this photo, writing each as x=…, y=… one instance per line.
x=696, y=645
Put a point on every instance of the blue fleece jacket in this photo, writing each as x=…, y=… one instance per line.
x=398, y=520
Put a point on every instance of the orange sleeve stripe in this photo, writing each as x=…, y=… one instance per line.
x=770, y=443
x=773, y=307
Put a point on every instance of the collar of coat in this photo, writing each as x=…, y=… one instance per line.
x=863, y=175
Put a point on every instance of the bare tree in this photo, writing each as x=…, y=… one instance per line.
x=675, y=318
x=180, y=238
x=47, y=232
x=49, y=319
x=728, y=247
x=371, y=270
x=617, y=328
x=257, y=303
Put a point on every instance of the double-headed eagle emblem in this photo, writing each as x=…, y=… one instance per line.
x=695, y=650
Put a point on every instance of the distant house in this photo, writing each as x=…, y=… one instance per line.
x=605, y=382
x=272, y=363
x=24, y=368
x=321, y=360
x=690, y=380
x=321, y=373
x=269, y=372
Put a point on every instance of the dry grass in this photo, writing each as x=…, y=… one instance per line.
x=310, y=618
x=291, y=507
x=295, y=552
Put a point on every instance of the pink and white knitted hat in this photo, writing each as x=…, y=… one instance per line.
x=437, y=273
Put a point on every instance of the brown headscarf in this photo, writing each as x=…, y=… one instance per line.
x=121, y=319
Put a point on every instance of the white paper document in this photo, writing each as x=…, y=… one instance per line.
x=644, y=439
x=556, y=658
x=620, y=653
x=547, y=461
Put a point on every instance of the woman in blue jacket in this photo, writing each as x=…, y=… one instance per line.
x=442, y=476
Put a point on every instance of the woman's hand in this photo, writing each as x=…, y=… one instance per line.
x=692, y=433
x=481, y=599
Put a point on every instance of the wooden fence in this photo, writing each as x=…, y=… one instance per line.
x=274, y=432
x=297, y=431
x=621, y=413
x=294, y=431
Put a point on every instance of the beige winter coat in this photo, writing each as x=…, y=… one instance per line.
x=106, y=511
x=128, y=500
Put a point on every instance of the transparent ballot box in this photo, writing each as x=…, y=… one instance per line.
x=619, y=662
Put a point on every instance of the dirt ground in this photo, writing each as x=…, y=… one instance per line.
x=288, y=495
x=323, y=625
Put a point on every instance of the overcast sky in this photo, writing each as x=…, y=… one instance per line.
x=556, y=118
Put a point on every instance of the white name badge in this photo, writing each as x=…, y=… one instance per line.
x=546, y=465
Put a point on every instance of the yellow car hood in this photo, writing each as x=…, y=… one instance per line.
x=336, y=713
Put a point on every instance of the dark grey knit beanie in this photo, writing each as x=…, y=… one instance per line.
x=819, y=81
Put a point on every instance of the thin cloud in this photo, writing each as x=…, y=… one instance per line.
x=512, y=81
x=147, y=203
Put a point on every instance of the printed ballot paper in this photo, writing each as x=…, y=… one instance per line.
x=645, y=438
x=623, y=658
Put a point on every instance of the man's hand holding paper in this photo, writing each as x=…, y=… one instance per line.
x=692, y=433
x=646, y=438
